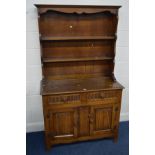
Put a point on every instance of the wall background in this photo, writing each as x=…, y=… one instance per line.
x=34, y=114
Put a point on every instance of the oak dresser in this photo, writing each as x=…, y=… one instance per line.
x=81, y=97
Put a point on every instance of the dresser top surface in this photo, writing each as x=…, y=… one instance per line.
x=50, y=87
x=77, y=6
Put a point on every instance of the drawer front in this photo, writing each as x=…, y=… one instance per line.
x=102, y=95
x=87, y=98
x=61, y=99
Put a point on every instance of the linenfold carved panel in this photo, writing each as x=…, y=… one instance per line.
x=64, y=98
x=102, y=95
x=103, y=119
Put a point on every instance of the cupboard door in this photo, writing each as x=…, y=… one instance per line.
x=84, y=125
x=63, y=123
x=101, y=120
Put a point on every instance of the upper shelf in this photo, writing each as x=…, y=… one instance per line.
x=46, y=60
x=79, y=9
x=78, y=38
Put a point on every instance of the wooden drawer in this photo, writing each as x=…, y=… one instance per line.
x=103, y=95
x=61, y=99
x=87, y=98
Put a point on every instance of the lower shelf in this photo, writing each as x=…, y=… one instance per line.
x=46, y=60
x=59, y=38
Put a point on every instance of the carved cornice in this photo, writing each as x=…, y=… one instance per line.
x=78, y=10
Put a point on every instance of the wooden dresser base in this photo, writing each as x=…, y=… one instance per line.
x=49, y=143
x=81, y=116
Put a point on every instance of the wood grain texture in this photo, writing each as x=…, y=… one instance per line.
x=84, y=126
x=77, y=25
x=81, y=97
x=67, y=69
x=79, y=85
x=77, y=50
x=79, y=9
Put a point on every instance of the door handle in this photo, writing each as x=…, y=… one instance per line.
x=91, y=118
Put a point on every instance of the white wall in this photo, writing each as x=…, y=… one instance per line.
x=34, y=114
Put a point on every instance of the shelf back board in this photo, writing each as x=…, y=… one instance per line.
x=77, y=40
x=104, y=23
x=76, y=69
x=77, y=49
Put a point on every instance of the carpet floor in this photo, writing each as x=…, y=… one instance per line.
x=35, y=145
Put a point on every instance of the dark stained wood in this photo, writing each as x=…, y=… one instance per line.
x=77, y=49
x=76, y=59
x=51, y=6
x=79, y=85
x=62, y=123
x=76, y=26
x=84, y=124
x=81, y=97
x=77, y=38
x=101, y=118
x=79, y=9
x=68, y=69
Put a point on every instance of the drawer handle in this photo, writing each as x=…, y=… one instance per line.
x=70, y=26
x=102, y=96
x=64, y=99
